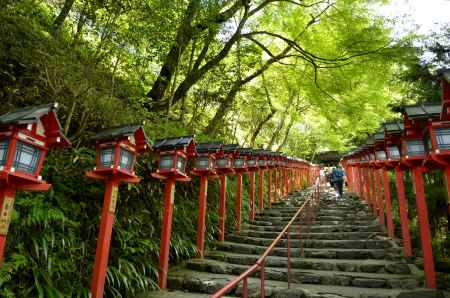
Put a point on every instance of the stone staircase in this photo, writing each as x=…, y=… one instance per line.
x=345, y=253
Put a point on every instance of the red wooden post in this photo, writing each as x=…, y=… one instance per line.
x=252, y=194
x=374, y=193
x=202, y=215
x=238, y=203
x=276, y=184
x=7, y=195
x=169, y=190
x=222, y=206
x=447, y=175
x=261, y=190
x=269, y=186
x=367, y=186
x=425, y=232
x=387, y=197
x=380, y=198
x=104, y=238
x=403, y=211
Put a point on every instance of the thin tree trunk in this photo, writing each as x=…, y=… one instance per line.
x=184, y=35
x=59, y=21
x=286, y=134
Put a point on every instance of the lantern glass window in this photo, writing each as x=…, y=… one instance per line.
x=3, y=151
x=181, y=163
x=107, y=157
x=442, y=137
x=126, y=159
x=270, y=162
x=381, y=155
x=251, y=162
x=415, y=147
x=26, y=157
x=394, y=153
x=166, y=162
x=202, y=162
x=261, y=162
x=223, y=163
x=239, y=163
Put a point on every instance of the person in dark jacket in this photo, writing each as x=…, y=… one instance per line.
x=337, y=176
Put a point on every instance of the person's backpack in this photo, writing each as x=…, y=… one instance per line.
x=338, y=174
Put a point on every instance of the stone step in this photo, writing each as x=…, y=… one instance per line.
x=309, y=276
x=394, y=253
x=317, y=218
x=318, y=228
x=324, y=236
x=310, y=243
x=316, y=222
x=350, y=265
x=205, y=282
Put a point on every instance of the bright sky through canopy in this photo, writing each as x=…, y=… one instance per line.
x=420, y=16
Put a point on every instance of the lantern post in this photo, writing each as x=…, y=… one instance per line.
x=116, y=152
x=415, y=120
x=261, y=155
x=239, y=167
x=26, y=135
x=225, y=160
x=270, y=164
x=172, y=157
x=204, y=167
x=251, y=168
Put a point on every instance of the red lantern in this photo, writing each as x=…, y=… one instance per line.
x=25, y=137
x=172, y=158
x=116, y=152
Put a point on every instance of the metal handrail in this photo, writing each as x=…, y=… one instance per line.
x=312, y=202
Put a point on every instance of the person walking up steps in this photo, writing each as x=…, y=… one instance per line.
x=337, y=176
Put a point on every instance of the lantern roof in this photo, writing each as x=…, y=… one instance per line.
x=444, y=73
x=209, y=147
x=395, y=126
x=182, y=142
x=230, y=148
x=421, y=111
x=246, y=151
x=379, y=136
x=46, y=114
x=262, y=152
x=27, y=115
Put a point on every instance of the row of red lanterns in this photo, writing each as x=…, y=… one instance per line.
x=27, y=134
x=419, y=142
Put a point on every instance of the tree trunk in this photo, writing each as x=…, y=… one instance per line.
x=286, y=134
x=184, y=36
x=259, y=127
x=59, y=21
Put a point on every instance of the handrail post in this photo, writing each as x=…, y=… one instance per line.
x=262, y=278
x=245, y=287
x=289, y=256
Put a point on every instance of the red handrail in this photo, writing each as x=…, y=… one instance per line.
x=312, y=203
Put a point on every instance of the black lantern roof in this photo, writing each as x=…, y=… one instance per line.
x=262, y=152
x=394, y=126
x=379, y=136
x=27, y=115
x=210, y=147
x=444, y=73
x=230, y=148
x=116, y=132
x=246, y=151
x=422, y=111
x=173, y=143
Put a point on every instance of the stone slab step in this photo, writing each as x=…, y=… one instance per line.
x=324, y=236
x=204, y=282
x=394, y=253
x=346, y=265
x=309, y=276
x=315, y=223
x=353, y=217
x=310, y=243
x=319, y=229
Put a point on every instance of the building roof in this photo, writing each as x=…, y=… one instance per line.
x=423, y=111
x=27, y=115
x=173, y=143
